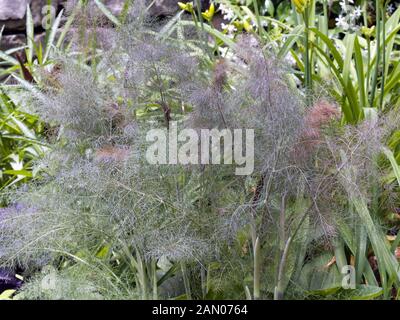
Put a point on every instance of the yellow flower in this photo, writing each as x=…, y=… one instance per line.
x=209, y=13
x=368, y=32
x=300, y=5
x=186, y=6
x=238, y=25
x=247, y=26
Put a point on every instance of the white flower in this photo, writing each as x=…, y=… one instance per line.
x=229, y=15
x=223, y=8
x=230, y=28
x=356, y=13
x=341, y=22
x=223, y=50
x=227, y=12
x=391, y=8
x=343, y=5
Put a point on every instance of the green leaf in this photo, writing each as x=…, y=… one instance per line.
x=24, y=173
x=24, y=129
x=107, y=13
x=170, y=26
x=349, y=45
x=361, y=260
x=341, y=69
x=290, y=41
x=319, y=279
x=103, y=252
x=229, y=42
x=6, y=295
x=8, y=58
x=29, y=34
x=396, y=169
x=52, y=35
x=68, y=24
x=269, y=7
x=386, y=260
x=363, y=292
x=360, y=73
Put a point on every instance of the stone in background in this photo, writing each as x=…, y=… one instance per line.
x=13, y=13
x=12, y=9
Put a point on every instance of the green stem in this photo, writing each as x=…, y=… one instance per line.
x=196, y=22
x=368, y=62
x=204, y=279
x=307, y=62
x=203, y=37
x=216, y=46
x=378, y=44
x=208, y=279
x=155, y=281
x=340, y=255
x=257, y=271
x=142, y=277
x=365, y=13
x=186, y=281
x=125, y=12
x=279, y=289
x=325, y=7
x=198, y=8
x=284, y=244
x=383, y=56
x=257, y=13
